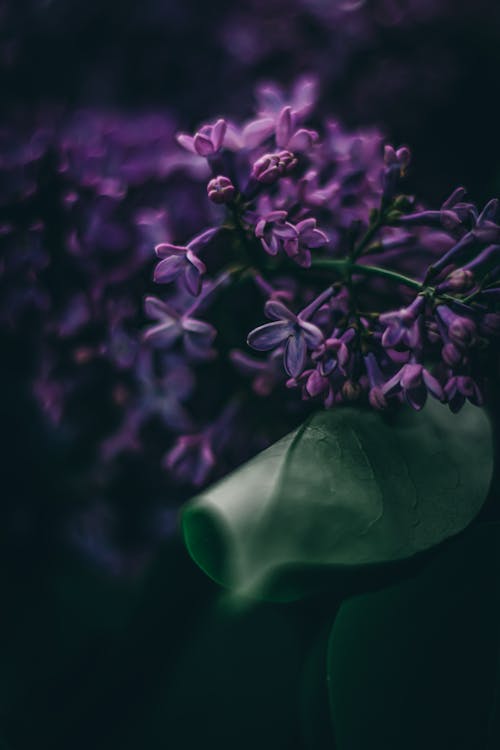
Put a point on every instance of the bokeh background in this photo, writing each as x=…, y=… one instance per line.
x=110, y=636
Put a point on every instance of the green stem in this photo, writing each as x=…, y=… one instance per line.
x=347, y=267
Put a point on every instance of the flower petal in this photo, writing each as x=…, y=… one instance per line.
x=392, y=335
x=311, y=333
x=489, y=212
x=411, y=376
x=273, y=216
x=232, y=138
x=276, y=310
x=196, y=262
x=270, y=247
x=260, y=227
x=302, y=140
x=155, y=308
x=165, y=250
x=305, y=225
x=256, y=131
x=284, y=127
x=295, y=355
x=393, y=384
x=305, y=94
x=199, y=327
x=168, y=269
x=315, y=238
x=202, y=238
x=269, y=336
x=285, y=231
x=186, y=141
x=203, y=145
x=218, y=133
x=192, y=279
x=316, y=384
x=164, y=334
x=433, y=385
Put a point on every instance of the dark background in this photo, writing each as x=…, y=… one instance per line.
x=161, y=659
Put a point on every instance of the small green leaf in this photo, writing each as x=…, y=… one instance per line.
x=348, y=488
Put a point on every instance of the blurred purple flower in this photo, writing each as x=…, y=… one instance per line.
x=197, y=335
x=207, y=141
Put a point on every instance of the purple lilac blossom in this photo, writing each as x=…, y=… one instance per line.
x=366, y=288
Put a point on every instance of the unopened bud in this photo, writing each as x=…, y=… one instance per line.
x=459, y=280
x=451, y=355
x=221, y=189
x=271, y=167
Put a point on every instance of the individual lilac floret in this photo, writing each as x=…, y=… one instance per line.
x=461, y=331
x=297, y=334
x=270, y=167
x=192, y=458
x=318, y=384
x=334, y=352
x=460, y=388
x=272, y=230
x=302, y=98
x=207, y=141
x=306, y=238
x=179, y=261
x=221, y=190
x=197, y=335
x=403, y=326
x=292, y=139
x=312, y=385
x=413, y=381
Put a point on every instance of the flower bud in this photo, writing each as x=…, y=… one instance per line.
x=271, y=167
x=221, y=189
x=459, y=280
x=451, y=355
x=463, y=331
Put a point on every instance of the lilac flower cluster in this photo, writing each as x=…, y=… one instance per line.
x=371, y=297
